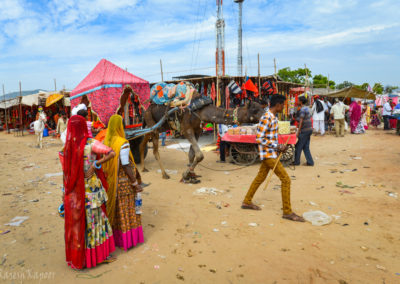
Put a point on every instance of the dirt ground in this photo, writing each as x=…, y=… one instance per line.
x=207, y=238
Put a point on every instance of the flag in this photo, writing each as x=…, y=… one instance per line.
x=250, y=86
x=234, y=88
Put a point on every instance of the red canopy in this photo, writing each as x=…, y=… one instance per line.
x=106, y=73
x=104, y=86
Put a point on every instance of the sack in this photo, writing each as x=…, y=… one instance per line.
x=199, y=103
x=319, y=107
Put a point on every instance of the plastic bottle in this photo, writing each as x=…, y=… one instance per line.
x=138, y=203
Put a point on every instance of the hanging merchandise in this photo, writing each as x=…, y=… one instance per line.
x=227, y=97
x=269, y=88
x=197, y=87
x=256, y=94
x=234, y=88
x=202, y=89
x=209, y=90
x=212, y=92
x=249, y=85
x=244, y=93
x=274, y=88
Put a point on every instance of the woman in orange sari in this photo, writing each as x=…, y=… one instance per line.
x=124, y=188
x=88, y=235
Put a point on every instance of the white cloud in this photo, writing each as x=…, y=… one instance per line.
x=67, y=38
x=10, y=9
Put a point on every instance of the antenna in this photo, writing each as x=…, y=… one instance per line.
x=240, y=57
x=220, y=39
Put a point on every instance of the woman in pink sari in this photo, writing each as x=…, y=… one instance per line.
x=355, y=116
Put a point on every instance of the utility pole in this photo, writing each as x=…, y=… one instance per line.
x=5, y=110
x=275, y=68
x=55, y=85
x=239, y=56
x=220, y=41
x=162, y=75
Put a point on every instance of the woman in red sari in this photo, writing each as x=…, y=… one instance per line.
x=88, y=235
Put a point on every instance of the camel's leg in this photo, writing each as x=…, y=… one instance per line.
x=198, y=155
x=142, y=146
x=191, y=155
x=157, y=154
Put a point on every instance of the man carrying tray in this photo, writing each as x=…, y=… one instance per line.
x=267, y=139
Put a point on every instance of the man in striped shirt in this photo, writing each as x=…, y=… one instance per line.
x=267, y=139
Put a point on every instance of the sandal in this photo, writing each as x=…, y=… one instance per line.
x=293, y=217
x=110, y=259
x=250, y=206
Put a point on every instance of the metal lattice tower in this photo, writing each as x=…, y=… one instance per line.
x=239, y=56
x=220, y=41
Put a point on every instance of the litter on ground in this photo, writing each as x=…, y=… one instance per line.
x=17, y=221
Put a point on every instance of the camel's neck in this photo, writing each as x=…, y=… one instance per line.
x=218, y=115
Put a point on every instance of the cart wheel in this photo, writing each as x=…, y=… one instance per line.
x=243, y=154
x=288, y=155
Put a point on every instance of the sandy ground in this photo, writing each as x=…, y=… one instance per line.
x=207, y=238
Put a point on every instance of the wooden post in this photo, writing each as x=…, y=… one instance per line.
x=259, y=79
x=55, y=85
x=306, y=83
x=327, y=85
x=5, y=110
x=162, y=75
x=20, y=105
x=275, y=67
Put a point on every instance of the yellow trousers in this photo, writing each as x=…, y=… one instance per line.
x=266, y=166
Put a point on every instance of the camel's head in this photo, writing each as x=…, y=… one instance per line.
x=252, y=112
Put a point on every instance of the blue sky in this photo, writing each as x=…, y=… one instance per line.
x=354, y=40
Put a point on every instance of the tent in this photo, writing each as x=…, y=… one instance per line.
x=10, y=103
x=352, y=92
x=104, y=86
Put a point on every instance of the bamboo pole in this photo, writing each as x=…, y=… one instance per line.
x=5, y=110
x=20, y=105
x=276, y=163
x=259, y=79
x=162, y=74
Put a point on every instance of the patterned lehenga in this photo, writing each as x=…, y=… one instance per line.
x=99, y=238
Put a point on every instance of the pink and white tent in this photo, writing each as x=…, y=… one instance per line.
x=104, y=86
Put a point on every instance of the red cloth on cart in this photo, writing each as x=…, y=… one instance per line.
x=240, y=138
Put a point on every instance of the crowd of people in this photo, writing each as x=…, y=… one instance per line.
x=102, y=186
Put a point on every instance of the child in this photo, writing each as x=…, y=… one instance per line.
x=375, y=119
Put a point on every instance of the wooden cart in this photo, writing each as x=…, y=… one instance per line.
x=244, y=148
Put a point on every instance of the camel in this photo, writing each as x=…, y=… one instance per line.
x=190, y=124
x=38, y=126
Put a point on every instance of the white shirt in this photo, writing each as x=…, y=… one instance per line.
x=222, y=129
x=338, y=110
x=387, y=109
x=319, y=115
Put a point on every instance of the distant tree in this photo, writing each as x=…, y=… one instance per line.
x=295, y=76
x=363, y=86
x=321, y=81
x=378, y=88
x=389, y=89
x=343, y=85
